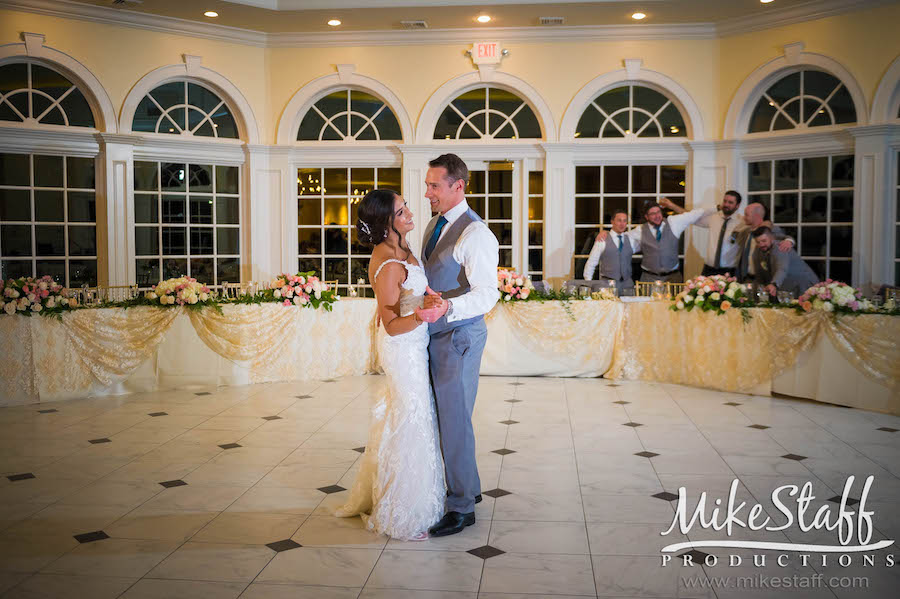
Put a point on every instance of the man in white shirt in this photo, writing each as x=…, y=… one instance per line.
x=658, y=239
x=460, y=258
x=614, y=256
x=721, y=250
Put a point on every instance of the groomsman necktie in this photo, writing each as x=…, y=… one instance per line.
x=658, y=233
x=718, y=262
x=620, y=242
x=438, y=227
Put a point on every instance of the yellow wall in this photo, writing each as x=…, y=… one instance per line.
x=120, y=56
x=865, y=42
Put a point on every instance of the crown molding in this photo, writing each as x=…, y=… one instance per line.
x=127, y=18
x=501, y=34
x=63, y=140
x=807, y=11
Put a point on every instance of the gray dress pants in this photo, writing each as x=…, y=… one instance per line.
x=455, y=362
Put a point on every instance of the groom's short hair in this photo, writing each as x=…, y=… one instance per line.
x=456, y=168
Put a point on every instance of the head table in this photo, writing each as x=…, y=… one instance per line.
x=851, y=360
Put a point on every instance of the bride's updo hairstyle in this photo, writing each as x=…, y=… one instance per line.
x=376, y=217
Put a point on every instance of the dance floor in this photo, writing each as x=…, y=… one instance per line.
x=224, y=493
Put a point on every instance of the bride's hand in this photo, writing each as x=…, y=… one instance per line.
x=432, y=299
x=428, y=314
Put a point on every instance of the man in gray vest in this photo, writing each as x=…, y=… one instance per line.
x=658, y=240
x=755, y=217
x=614, y=256
x=460, y=257
x=779, y=270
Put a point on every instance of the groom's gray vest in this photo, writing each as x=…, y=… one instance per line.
x=445, y=274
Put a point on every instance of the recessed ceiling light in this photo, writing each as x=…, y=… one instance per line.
x=334, y=22
x=638, y=16
x=483, y=19
x=211, y=14
x=766, y=1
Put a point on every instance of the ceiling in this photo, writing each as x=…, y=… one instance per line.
x=281, y=16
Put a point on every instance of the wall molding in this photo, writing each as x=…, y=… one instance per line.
x=776, y=17
x=887, y=96
x=289, y=122
x=741, y=107
x=191, y=69
x=32, y=48
x=451, y=89
x=632, y=73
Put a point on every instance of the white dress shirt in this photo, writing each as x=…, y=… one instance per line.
x=478, y=251
x=678, y=222
x=596, y=251
x=730, y=249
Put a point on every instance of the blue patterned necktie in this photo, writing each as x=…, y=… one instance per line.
x=435, y=236
x=658, y=232
x=620, y=242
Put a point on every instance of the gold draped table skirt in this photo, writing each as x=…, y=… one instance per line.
x=849, y=360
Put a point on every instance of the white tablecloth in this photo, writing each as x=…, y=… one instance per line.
x=46, y=360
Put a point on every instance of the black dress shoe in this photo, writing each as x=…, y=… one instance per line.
x=452, y=523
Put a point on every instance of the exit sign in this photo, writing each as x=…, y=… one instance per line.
x=486, y=52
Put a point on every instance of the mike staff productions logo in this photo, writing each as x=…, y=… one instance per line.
x=851, y=525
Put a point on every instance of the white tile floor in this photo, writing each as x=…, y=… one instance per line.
x=220, y=494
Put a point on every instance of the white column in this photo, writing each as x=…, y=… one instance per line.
x=707, y=178
x=115, y=208
x=415, y=167
x=559, y=213
x=269, y=240
x=874, y=204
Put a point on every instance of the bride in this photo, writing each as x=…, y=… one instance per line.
x=400, y=488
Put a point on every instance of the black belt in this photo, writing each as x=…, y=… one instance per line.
x=661, y=274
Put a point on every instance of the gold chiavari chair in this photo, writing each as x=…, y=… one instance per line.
x=231, y=290
x=332, y=285
x=643, y=288
x=674, y=289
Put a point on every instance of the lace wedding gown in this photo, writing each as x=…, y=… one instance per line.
x=400, y=488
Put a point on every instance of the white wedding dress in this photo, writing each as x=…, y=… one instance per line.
x=400, y=489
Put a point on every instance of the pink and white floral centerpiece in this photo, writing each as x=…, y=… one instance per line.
x=181, y=291
x=303, y=289
x=513, y=286
x=833, y=296
x=27, y=295
x=718, y=292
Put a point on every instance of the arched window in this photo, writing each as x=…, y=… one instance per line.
x=184, y=108
x=805, y=98
x=349, y=115
x=631, y=111
x=488, y=113
x=36, y=94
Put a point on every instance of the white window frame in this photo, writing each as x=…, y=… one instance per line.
x=631, y=196
x=799, y=224
x=351, y=197
x=65, y=223
x=188, y=225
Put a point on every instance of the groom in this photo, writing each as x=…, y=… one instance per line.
x=460, y=258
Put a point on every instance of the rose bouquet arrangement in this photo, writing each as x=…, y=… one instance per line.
x=302, y=289
x=183, y=291
x=833, y=296
x=719, y=293
x=27, y=296
x=513, y=286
